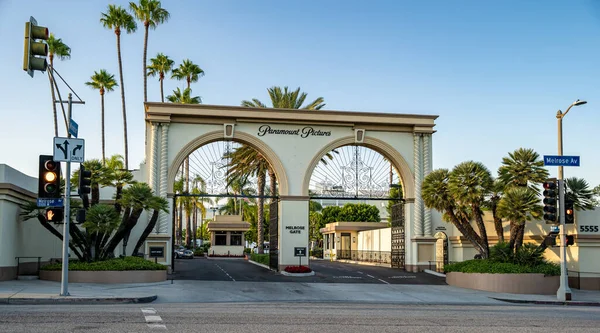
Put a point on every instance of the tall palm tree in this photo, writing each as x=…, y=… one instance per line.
x=578, y=190
x=184, y=97
x=160, y=65
x=522, y=168
x=56, y=48
x=117, y=18
x=470, y=182
x=286, y=99
x=518, y=205
x=492, y=204
x=151, y=14
x=104, y=82
x=188, y=71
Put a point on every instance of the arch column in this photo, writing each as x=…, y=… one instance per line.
x=163, y=220
x=426, y=171
x=418, y=216
x=153, y=167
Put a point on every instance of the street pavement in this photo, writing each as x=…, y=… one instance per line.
x=234, y=281
x=271, y=317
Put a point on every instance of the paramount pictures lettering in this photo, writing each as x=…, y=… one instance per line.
x=294, y=229
x=301, y=132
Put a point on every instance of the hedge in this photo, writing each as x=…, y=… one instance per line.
x=260, y=258
x=494, y=267
x=116, y=264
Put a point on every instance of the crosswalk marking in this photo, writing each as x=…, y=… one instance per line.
x=153, y=320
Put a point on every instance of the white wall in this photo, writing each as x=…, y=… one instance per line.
x=375, y=240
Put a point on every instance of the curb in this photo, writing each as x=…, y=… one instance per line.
x=259, y=264
x=297, y=274
x=571, y=303
x=77, y=300
x=428, y=271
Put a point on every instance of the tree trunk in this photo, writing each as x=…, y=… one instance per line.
x=147, y=231
x=273, y=183
x=145, y=53
x=118, y=195
x=179, y=222
x=95, y=194
x=482, y=231
x=123, y=229
x=118, y=33
x=520, y=234
x=188, y=228
x=467, y=230
x=195, y=224
x=42, y=219
x=514, y=230
x=498, y=224
x=162, y=95
x=261, y=212
x=102, y=128
x=53, y=98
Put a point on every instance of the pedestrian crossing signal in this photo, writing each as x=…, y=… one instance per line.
x=55, y=215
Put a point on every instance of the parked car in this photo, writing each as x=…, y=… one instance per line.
x=179, y=252
x=189, y=254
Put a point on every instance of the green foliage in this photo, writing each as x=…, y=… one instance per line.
x=260, y=258
x=316, y=252
x=101, y=218
x=330, y=214
x=527, y=255
x=350, y=213
x=394, y=193
x=116, y=264
x=247, y=250
x=494, y=267
x=205, y=246
x=199, y=252
x=501, y=252
x=315, y=223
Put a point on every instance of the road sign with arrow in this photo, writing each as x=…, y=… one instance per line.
x=68, y=150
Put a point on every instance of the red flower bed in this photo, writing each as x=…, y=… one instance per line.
x=225, y=256
x=298, y=269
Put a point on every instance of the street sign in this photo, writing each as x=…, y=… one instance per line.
x=50, y=202
x=299, y=252
x=552, y=160
x=554, y=229
x=68, y=150
x=73, y=128
x=157, y=251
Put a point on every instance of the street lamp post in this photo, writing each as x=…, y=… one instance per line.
x=564, y=292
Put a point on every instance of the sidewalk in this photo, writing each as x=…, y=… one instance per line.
x=46, y=292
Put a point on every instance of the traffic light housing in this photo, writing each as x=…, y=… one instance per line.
x=570, y=240
x=569, y=212
x=35, y=51
x=48, y=177
x=85, y=181
x=550, y=202
x=55, y=214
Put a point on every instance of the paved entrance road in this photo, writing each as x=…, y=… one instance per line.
x=325, y=272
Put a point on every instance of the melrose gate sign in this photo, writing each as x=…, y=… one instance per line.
x=174, y=131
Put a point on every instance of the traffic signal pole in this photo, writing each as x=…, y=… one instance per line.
x=564, y=292
x=64, y=285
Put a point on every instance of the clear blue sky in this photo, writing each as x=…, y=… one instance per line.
x=495, y=72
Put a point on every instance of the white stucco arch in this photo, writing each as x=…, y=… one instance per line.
x=241, y=137
x=408, y=183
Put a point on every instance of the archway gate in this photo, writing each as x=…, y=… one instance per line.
x=293, y=142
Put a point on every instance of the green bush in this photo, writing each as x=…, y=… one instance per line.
x=260, y=258
x=247, y=250
x=316, y=252
x=205, y=246
x=528, y=254
x=199, y=252
x=494, y=267
x=116, y=264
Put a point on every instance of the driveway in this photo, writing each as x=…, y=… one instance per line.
x=325, y=272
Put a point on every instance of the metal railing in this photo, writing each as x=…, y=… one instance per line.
x=384, y=257
x=39, y=259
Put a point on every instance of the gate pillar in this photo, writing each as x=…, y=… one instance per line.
x=293, y=230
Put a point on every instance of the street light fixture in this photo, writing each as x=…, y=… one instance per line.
x=564, y=292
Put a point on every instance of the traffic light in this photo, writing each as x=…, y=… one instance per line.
x=48, y=177
x=80, y=218
x=55, y=214
x=570, y=240
x=550, y=201
x=569, y=212
x=35, y=51
x=84, y=181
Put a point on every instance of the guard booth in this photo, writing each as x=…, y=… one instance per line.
x=227, y=236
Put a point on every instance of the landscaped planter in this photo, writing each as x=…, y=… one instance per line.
x=139, y=276
x=526, y=283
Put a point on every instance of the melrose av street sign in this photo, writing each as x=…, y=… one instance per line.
x=552, y=160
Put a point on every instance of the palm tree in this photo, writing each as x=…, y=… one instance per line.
x=522, y=168
x=188, y=71
x=118, y=18
x=183, y=98
x=492, y=204
x=286, y=99
x=57, y=48
x=518, y=205
x=117, y=176
x=151, y=14
x=436, y=194
x=104, y=82
x=578, y=190
x=160, y=65
x=469, y=183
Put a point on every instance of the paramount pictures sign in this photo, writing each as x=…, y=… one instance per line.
x=301, y=132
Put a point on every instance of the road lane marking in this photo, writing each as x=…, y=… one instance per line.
x=403, y=277
x=153, y=320
x=371, y=276
x=232, y=279
x=347, y=277
x=383, y=281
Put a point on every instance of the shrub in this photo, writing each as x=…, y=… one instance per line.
x=199, y=252
x=298, y=269
x=260, y=258
x=316, y=252
x=247, y=250
x=116, y=264
x=528, y=255
x=494, y=267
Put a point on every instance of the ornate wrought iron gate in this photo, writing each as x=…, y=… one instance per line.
x=274, y=235
x=398, y=250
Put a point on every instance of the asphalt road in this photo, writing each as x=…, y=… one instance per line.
x=325, y=272
x=296, y=317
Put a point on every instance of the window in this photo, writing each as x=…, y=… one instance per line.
x=220, y=238
x=326, y=241
x=236, y=238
